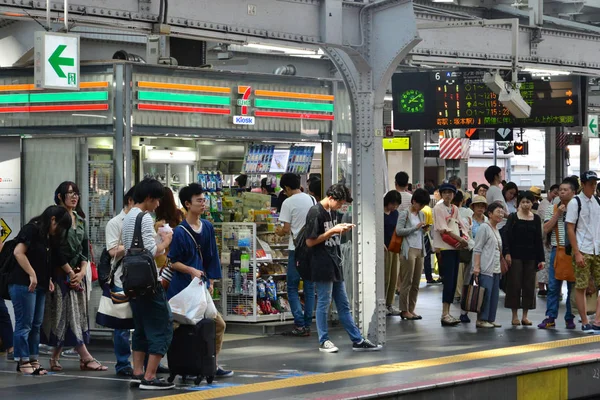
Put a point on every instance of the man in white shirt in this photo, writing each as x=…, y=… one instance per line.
x=401, y=181
x=293, y=216
x=151, y=313
x=116, y=250
x=493, y=175
x=583, y=213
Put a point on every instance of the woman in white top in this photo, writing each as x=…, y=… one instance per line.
x=486, y=265
x=411, y=226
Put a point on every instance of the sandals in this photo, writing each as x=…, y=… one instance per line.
x=55, y=366
x=526, y=322
x=516, y=322
x=35, y=370
x=84, y=365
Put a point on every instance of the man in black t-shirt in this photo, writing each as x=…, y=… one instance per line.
x=323, y=239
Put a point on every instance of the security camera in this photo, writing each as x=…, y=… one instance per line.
x=494, y=82
x=513, y=100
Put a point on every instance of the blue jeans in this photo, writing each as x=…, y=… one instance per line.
x=490, y=300
x=554, y=286
x=6, y=328
x=29, y=315
x=301, y=319
x=122, y=348
x=336, y=290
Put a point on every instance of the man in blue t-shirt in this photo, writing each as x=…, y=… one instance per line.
x=194, y=254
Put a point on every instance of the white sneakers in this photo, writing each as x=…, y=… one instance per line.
x=328, y=347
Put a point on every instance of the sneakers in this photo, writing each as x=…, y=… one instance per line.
x=542, y=293
x=162, y=369
x=391, y=310
x=126, y=372
x=484, y=324
x=136, y=379
x=596, y=329
x=328, y=347
x=156, y=384
x=587, y=328
x=71, y=353
x=45, y=350
x=298, y=332
x=221, y=373
x=366, y=345
x=464, y=318
x=547, y=323
x=10, y=356
x=570, y=324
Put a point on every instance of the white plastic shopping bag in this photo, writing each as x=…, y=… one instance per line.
x=211, y=310
x=189, y=305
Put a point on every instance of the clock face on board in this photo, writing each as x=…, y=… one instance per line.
x=412, y=101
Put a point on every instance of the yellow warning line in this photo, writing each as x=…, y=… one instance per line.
x=381, y=369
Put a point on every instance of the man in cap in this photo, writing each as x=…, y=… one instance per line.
x=583, y=231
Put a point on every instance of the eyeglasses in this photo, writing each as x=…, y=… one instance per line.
x=72, y=194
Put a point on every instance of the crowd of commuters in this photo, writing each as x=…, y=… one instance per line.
x=499, y=237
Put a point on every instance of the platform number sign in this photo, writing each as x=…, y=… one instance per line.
x=56, y=61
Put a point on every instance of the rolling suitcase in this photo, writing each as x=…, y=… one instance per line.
x=193, y=352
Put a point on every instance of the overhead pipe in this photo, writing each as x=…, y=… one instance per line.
x=285, y=70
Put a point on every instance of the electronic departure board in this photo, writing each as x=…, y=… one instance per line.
x=460, y=99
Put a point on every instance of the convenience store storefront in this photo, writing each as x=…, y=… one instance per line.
x=130, y=121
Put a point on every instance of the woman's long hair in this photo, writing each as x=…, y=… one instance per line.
x=62, y=219
x=62, y=190
x=167, y=210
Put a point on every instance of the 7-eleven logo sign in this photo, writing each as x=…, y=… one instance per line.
x=244, y=102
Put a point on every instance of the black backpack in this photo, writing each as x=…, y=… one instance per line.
x=139, y=269
x=8, y=263
x=104, y=267
x=302, y=255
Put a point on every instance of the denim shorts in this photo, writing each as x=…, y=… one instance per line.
x=153, y=323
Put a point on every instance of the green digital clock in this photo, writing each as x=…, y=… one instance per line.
x=412, y=101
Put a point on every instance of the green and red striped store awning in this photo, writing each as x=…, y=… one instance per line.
x=25, y=98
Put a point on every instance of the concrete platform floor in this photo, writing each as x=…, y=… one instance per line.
x=417, y=354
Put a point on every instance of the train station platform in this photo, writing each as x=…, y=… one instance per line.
x=421, y=360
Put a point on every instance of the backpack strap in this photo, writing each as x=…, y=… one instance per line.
x=195, y=242
x=137, y=241
x=578, y=210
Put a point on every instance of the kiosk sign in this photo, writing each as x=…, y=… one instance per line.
x=56, y=58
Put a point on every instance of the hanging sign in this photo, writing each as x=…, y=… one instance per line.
x=5, y=230
x=56, y=61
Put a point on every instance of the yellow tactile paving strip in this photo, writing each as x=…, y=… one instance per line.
x=381, y=369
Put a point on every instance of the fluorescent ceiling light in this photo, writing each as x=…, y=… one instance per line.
x=443, y=1
x=388, y=97
x=546, y=72
x=290, y=51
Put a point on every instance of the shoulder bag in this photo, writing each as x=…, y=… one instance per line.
x=139, y=268
x=563, y=262
x=396, y=242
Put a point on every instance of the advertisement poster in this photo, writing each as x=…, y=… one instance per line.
x=10, y=187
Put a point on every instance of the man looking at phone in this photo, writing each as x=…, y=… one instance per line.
x=323, y=240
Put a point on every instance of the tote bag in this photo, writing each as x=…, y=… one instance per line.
x=472, y=296
x=396, y=242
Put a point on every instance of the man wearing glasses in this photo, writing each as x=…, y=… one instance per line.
x=194, y=254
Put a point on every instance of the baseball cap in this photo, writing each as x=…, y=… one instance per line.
x=589, y=176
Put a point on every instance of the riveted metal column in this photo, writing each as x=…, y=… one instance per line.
x=551, y=152
x=367, y=69
x=118, y=160
x=418, y=158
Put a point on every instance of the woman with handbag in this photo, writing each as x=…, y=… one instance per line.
x=447, y=238
x=166, y=213
x=391, y=201
x=412, y=228
x=66, y=317
x=487, y=254
x=524, y=254
x=464, y=255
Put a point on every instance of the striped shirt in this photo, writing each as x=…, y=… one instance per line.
x=148, y=233
x=560, y=224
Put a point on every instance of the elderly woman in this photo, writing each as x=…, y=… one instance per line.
x=411, y=226
x=486, y=265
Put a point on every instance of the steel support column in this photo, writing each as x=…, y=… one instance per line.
x=367, y=69
x=584, y=157
x=118, y=160
x=418, y=158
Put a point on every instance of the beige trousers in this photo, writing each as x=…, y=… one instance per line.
x=410, y=273
x=391, y=276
